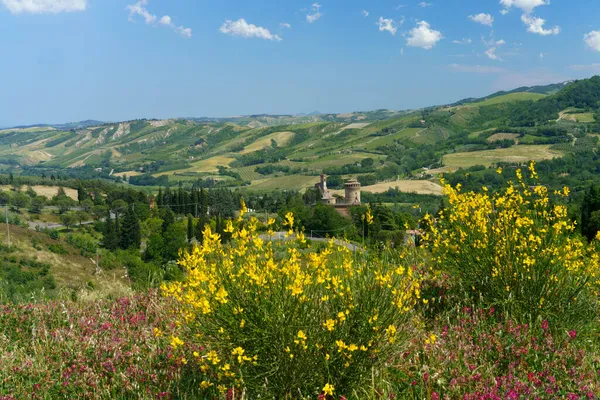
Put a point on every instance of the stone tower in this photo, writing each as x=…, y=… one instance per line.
x=352, y=189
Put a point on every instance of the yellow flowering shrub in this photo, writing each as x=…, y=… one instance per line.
x=515, y=249
x=281, y=322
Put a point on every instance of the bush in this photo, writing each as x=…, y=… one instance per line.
x=57, y=249
x=278, y=323
x=517, y=251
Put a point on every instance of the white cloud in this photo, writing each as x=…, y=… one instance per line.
x=314, y=14
x=402, y=52
x=423, y=36
x=484, y=19
x=592, y=40
x=387, y=25
x=479, y=69
x=44, y=6
x=424, y=4
x=285, y=25
x=504, y=12
x=500, y=42
x=365, y=13
x=463, y=41
x=244, y=29
x=536, y=25
x=542, y=55
x=491, y=54
x=140, y=9
x=525, y=5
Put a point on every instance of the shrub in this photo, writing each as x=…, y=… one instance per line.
x=294, y=326
x=516, y=250
x=57, y=249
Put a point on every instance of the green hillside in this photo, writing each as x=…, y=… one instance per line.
x=260, y=151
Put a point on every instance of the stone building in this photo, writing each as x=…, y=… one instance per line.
x=342, y=204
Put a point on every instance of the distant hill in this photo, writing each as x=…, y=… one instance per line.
x=545, y=90
x=267, y=152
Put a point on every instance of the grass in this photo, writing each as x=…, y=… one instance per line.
x=517, y=154
x=338, y=160
x=407, y=133
x=71, y=271
x=582, y=117
x=208, y=165
x=408, y=186
x=288, y=182
x=282, y=139
x=509, y=98
x=503, y=136
x=48, y=191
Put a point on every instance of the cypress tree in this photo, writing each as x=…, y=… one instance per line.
x=110, y=239
x=190, y=228
x=131, y=237
x=203, y=203
x=168, y=218
x=81, y=193
x=199, y=229
x=159, y=198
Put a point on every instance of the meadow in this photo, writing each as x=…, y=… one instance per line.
x=500, y=301
x=516, y=154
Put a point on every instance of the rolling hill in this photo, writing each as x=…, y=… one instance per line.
x=266, y=152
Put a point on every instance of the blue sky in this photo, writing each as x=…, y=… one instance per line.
x=70, y=60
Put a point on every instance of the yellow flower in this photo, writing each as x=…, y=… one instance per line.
x=301, y=335
x=205, y=384
x=369, y=216
x=176, y=342
x=328, y=389
x=431, y=339
x=329, y=324
x=157, y=332
x=499, y=171
x=228, y=226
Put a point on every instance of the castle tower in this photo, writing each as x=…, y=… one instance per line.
x=352, y=189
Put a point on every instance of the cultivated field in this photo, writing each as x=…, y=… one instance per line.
x=408, y=186
x=282, y=139
x=289, y=182
x=48, y=191
x=503, y=136
x=515, y=154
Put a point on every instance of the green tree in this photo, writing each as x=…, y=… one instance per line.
x=82, y=216
x=174, y=240
x=87, y=205
x=190, y=228
x=591, y=204
x=168, y=217
x=4, y=198
x=110, y=240
x=64, y=204
x=37, y=203
x=68, y=219
x=81, y=193
x=30, y=192
x=99, y=211
x=199, y=229
x=20, y=200
x=130, y=234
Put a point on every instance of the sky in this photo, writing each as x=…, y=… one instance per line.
x=115, y=60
